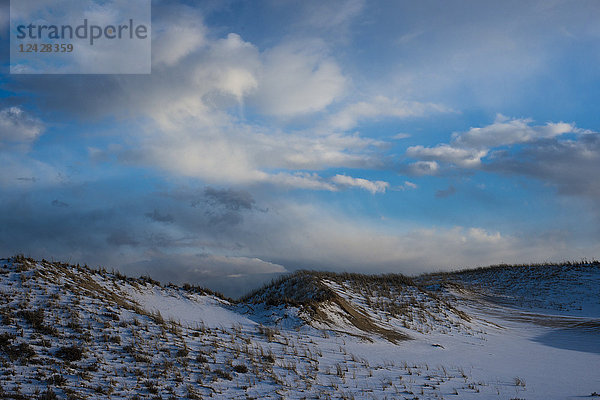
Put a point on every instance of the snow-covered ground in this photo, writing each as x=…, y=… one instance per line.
x=188, y=309
x=74, y=333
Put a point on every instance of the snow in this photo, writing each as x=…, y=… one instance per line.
x=189, y=309
x=476, y=341
x=500, y=356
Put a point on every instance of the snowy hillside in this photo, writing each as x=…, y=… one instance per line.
x=568, y=289
x=512, y=332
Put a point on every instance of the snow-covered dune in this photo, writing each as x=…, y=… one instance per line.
x=507, y=332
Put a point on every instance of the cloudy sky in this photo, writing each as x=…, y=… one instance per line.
x=387, y=136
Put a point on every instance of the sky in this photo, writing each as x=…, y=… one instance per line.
x=271, y=136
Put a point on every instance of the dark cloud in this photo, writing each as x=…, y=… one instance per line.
x=242, y=250
x=440, y=194
x=108, y=230
x=558, y=154
x=70, y=93
x=233, y=276
x=37, y=229
x=224, y=207
x=60, y=204
x=227, y=219
x=121, y=238
x=230, y=199
x=571, y=165
x=158, y=217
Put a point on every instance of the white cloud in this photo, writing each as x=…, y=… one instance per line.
x=232, y=66
x=18, y=126
x=193, y=109
x=238, y=154
x=331, y=14
x=447, y=153
x=217, y=265
x=300, y=180
x=407, y=185
x=193, y=129
x=307, y=235
x=517, y=147
x=298, y=78
x=423, y=168
x=505, y=131
x=176, y=34
x=381, y=107
x=467, y=149
x=371, y=186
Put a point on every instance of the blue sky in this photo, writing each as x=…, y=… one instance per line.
x=373, y=137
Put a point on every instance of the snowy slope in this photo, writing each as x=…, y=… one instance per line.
x=69, y=332
x=568, y=289
x=188, y=309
